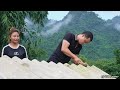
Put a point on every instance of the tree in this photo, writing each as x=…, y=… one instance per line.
x=117, y=55
x=17, y=19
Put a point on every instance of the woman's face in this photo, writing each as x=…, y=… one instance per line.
x=15, y=37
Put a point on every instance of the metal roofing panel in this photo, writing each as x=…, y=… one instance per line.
x=15, y=68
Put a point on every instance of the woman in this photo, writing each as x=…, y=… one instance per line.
x=14, y=48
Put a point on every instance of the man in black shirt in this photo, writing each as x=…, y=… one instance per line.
x=69, y=47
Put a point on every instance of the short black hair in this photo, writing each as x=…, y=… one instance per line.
x=88, y=34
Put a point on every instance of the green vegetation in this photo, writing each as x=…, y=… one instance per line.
x=117, y=54
x=16, y=19
x=109, y=66
x=105, y=41
x=102, y=52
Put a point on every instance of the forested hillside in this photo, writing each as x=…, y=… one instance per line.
x=106, y=36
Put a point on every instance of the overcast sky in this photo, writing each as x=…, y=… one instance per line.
x=58, y=15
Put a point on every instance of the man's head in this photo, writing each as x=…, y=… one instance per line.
x=85, y=37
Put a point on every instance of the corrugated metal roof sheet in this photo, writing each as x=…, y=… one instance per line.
x=15, y=68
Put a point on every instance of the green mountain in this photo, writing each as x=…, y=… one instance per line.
x=106, y=34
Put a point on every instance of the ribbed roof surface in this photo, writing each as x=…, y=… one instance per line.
x=16, y=68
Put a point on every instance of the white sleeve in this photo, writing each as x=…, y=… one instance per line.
x=26, y=52
x=2, y=51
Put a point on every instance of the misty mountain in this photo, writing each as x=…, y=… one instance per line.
x=106, y=34
x=53, y=26
x=115, y=22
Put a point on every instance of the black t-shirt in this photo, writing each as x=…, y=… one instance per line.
x=59, y=56
x=20, y=51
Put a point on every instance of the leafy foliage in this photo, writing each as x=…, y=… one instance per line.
x=117, y=54
x=17, y=19
x=109, y=66
x=106, y=37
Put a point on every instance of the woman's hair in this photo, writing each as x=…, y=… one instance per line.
x=12, y=30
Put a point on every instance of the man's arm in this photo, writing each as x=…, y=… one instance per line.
x=65, y=50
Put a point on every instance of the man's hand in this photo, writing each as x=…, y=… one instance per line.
x=84, y=64
x=78, y=61
x=66, y=51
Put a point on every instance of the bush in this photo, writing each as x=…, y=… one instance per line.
x=117, y=55
x=109, y=66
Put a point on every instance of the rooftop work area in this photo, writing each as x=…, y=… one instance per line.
x=15, y=68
